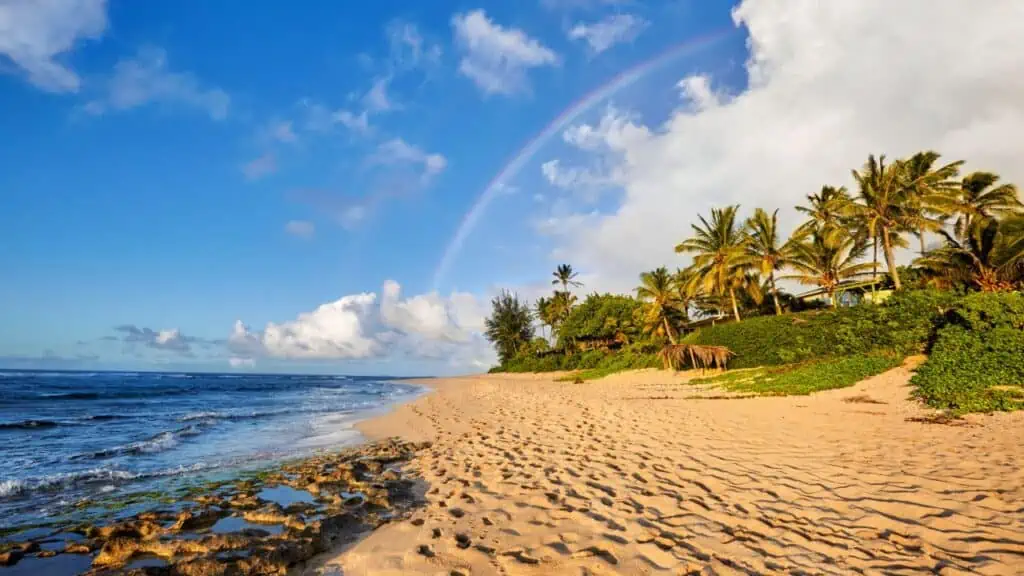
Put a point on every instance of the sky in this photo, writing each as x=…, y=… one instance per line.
x=343, y=187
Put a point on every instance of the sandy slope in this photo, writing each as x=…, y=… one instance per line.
x=628, y=476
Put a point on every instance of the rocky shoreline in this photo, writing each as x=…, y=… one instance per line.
x=263, y=525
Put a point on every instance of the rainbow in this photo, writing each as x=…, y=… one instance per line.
x=560, y=123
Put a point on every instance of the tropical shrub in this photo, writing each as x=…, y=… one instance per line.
x=977, y=361
x=902, y=325
x=602, y=317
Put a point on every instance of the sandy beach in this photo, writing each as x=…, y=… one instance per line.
x=640, y=473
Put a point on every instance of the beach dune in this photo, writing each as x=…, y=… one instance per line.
x=634, y=475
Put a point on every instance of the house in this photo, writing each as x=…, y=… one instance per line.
x=851, y=293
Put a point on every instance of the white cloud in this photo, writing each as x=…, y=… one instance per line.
x=335, y=330
x=497, y=58
x=376, y=100
x=587, y=182
x=355, y=122
x=282, y=132
x=35, y=33
x=146, y=79
x=356, y=326
x=398, y=151
x=697, y=91
x=814, y=109
x=260, y=167
x=609, y=31
x=430, y=315
x=300, y=228
x=408, y=48
x=236, y=362
x=170, y=340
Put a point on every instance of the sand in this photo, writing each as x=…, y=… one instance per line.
x=633, y=475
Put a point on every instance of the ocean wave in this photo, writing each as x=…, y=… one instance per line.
x=104, y=417
x=30, y=425
x=158, y=443
x=104, y=476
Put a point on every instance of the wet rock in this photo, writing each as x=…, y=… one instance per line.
x=11, y=557
x=46, y=554
x=76, y=548
x=117, y=551
x=196, y=520
x=138, y=529
x=425, y=550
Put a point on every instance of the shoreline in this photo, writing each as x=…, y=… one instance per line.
x=640, y=472
x=342, y=489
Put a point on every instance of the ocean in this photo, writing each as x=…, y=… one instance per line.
x=70, y=441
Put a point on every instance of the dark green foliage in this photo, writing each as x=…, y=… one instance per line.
x=805, y=378
x=634, y=356
x=510, y=326
x=601, y=317
x=902, y=325
x=977, y=362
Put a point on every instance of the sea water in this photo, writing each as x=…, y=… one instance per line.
x=70, y=441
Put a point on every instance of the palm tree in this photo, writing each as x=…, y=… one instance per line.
x=766, y=250
x=827, y=260
x=510, y=325
x=565, y=276
x=658, y=291
x=688, y=290
x=881, y=208
x=826, y=210
x=927, y=187
x=542, y=310
x=720, y=258
x=559, y=306
x=990, y=256
x=978, y=197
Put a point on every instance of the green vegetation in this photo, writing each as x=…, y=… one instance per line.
x=805, y=378
x=938, y=305
x=902, y=325
x=977, y=362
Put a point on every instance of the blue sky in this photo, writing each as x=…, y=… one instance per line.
x=172, y=168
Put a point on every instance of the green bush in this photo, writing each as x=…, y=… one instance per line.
x=805, y=378
x=601, y=317
x=902, y=325
x=977, y=361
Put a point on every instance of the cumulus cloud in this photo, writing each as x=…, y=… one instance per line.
x=363, y=326
x=496, y=58
x=432, y=316
x=146, y=79
x=609, y=31
x=333, y=331
x=300, y=228
x=170, y=340
x=36, y=34
x=813, y=109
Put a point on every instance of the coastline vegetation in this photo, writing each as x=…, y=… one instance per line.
x=959, y=301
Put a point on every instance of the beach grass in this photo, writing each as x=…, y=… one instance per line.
x=803, y=378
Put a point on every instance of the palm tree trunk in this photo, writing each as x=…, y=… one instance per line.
x=735, y=308
x=874, y=270
x=890, y=258
x=775, y=295
x=668, y=330
x=920, y=236
x=833, y=299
